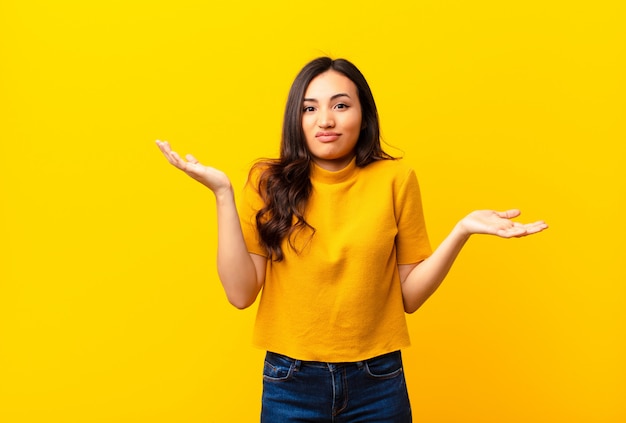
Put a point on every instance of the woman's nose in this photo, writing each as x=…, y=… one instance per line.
x=325, y=120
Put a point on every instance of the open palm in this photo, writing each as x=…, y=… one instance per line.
x=212, y=178
x=500, y=224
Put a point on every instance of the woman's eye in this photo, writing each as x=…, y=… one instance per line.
x=341, y=106
x=308, y=109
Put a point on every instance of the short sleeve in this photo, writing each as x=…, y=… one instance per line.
x=412, y=243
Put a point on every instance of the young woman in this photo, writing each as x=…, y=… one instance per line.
x=333, y=233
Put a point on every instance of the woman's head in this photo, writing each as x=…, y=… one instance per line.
x=294, y=142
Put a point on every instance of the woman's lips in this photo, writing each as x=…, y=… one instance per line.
x=327, y=136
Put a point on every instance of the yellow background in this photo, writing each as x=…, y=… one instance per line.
x=110, y=308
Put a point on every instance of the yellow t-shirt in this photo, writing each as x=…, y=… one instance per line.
x=338, y=298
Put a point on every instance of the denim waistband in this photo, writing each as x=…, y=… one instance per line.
x=325, y=365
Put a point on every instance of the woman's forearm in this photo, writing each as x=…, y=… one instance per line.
x=424, y=279
x=235, y=266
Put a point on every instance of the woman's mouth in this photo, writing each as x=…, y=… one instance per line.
x=325, y=136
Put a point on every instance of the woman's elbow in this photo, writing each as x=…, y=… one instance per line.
x=410, y=309
x=241, y=302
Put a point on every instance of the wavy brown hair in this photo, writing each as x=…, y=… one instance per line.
x=284, y=184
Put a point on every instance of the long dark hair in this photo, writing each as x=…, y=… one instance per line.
x=284, y=184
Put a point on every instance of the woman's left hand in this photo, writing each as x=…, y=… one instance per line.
x=499, y=223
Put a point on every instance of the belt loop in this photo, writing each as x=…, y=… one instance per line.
x=360, y=364
x=297, y=364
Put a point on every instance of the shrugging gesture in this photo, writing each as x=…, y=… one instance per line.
x=242, y=274
x=420, y=281
x=318, y=303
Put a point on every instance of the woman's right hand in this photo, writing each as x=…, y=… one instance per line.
x=214, y=179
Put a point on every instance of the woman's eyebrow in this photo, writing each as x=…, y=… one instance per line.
x=332, y=98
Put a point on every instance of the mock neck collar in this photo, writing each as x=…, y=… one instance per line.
x=319, y=174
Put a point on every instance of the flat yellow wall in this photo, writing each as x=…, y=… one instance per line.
x=110, y=308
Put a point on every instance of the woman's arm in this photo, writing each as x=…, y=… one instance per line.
x=242, y=274
x=421, y=280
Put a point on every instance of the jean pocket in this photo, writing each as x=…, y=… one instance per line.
x=277, y=368
x=385, y=367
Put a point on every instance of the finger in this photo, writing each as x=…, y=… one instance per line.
x=511, y=232
x=524, y=230
x=509, y=214
x=163, y=145
x=535, y=227
x=177, y=161
x=192, y=159
x=165, y=148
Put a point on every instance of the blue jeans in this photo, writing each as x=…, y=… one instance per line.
x=373, y=390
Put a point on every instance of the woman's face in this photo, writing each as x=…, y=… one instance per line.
x=331, y=119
